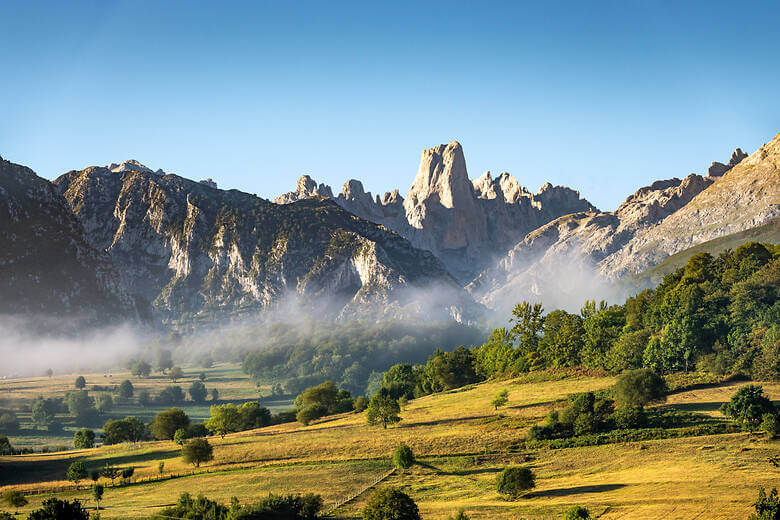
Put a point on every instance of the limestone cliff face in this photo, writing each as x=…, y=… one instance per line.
x=579, y=255
x=193, y=250
x=467, y=224
x=48, y=269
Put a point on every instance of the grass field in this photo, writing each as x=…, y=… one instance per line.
x=18, y=394
x=461, y=444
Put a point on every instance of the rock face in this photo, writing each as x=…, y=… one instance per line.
x=719, y=169
x=193, y=250
x=578, y=256
x=465, y=223
x=49, y=269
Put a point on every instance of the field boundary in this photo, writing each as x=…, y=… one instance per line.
x=352, y=497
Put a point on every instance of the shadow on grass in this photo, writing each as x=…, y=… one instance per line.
x=564, y=492
x=458, y=472
x=694, y=407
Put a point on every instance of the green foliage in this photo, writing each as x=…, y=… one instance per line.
x=176, y=373
x=80, y=383
x=629, y=417
x=576, y=513
x=44, y=410
x=460, y=515
x=5, y=446
x=104, y=403
x=639, y=388
x=80, y=405
x=197, y=451
x=181, y=436
x=224, y=419
x=584, y=414
x=129, y=429
x=126, y=389
x=767, y=506
x=382, y=408
x=390, y=504
x=141, y=368
x=500, y=399
x=56, y=509
x=167, y=422
x=361, y=403
x=254, y=416
x=513, y=481
x=97, y=494
x=9, y=423
x=310, y=413
x=198, y=392
x=110, y=471
x=200, y=508
x=403, y=457
x=770, y=423
x=326, y=397
x=84, y=439
x=14, y=498
x=288, y=507
x=171, y=395
x=748, y=406
x=163, y=360
x=76, y=471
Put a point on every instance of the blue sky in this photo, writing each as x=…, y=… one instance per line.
x=602, y=96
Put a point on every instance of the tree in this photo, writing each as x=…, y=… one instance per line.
x=326, y=396
x=127, y=473
x=390, y=504
x=748, y=406
x=97, y=494
x=84, y=439
x=361, y=403
x=500, y=399
x=202, y=376
x=80, y=405
x=9, y=422
x=200, y=507
x=770, y=423
x=224, y=419
x=513, y=481
x=180, y=437
x=167, y=422
x=76, y=471
x=163, y=360
x=639, y=387
x=135, y=429
x=176, y=373
x=460, y=515
x=110, y=472
x=80, y=382
x=104, y=403
x=49, y=372
x=126, y=389
x=403, y=457
x=14, y=499
x=309, y=413
x=141, y=368
x=767, y=506
x=172, y=394
x=161, y=467
x=383, y=409
x=56, y=509
x=43, y=411
x=528, y=322
x=197, y=451
x=5, y=446
x=115, y=431
x=144, y=398
x=94, y=475
x=289, y=507
x=197, y=391
x=577, y=513
x=254, y=416
x=214, y=394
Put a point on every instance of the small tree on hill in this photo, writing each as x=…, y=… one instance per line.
x=197, y=391
x=224, y=419
x=126, y=389
x=403, y=457
x=176, y=373
x=360, y=404
x=180, y=437
x=197, y=451
x=5, y=446
x=76, y=472
x=512, y=482
x=770, y=423
x=80, y=382
x=161, y=467
x=49, y=372
x=390, y=504
x=141, y=369
x=111, y=472
x=84, y=439
x=97, y=494
x=748, y=406
x=383, y=409
x=166, y=423
x=14, y=499
x=214, y=395
x=500, y=399
x=460, y=515
x=639, y=387
x=577, y=513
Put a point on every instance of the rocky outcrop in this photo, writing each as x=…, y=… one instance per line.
x=194, y=251
x=465, y=223
x=582, y=254
x=49, y=269
x=719, y=169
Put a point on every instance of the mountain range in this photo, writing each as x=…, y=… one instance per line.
x=135, y=243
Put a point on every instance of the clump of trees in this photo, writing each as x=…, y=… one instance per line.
x=512, y=482
x=321, y=400
x=129, y=429
x=55, y=509
x=287, y=507
x=229, y=418
x=748, y=407
x=585, y=413
x=15, y=499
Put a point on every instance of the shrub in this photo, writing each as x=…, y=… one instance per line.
x=361, y=403
x=180, y=436
x=84, y=439
x=748, y=406
x=390, y=504
x=14, y=499
x=770, y=423
x=403, y=457
x=460, y=515
x=289, y=507
x=576, y=513
x=629, y=417
x=309, y=413
x=767, y=507
x=197, y=451
x=500, y=399
x=188, y=507
x=513, y=481
x=639, y=387
x=55, y=509
x=198, y=392
x=5, y=446
x=76, y=471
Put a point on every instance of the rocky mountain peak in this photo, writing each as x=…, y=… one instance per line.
x=131, y=165
x=718, y=169
x=305, y=188
x=442, y=174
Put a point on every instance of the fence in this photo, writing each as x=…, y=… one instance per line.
x=352, y=497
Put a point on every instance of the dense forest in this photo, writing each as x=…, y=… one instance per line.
x=716, y=314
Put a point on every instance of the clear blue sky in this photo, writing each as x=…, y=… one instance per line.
x=604, y=97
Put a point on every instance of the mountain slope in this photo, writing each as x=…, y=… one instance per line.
x=466, y=223
x=48, y=268
x=194, y=250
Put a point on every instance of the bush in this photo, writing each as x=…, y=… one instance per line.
x=576, y=513
x=403, y=457
x=84, y=439
x=512, y=482
x=198, y=392
x=770, y=423
x=55, y=509
x=767, y=507
x=197, y=451
x=289, y=507
x=630, y=417
x=180, y=436
x=14, y=499
x=309, y=413
x=748, y=406
x=500, y=399
x=390, y=504
x=5, y=446
x=76, y=471
x=188, y=507
x=361, y=403
x=639, y=387
x=172, y=394
x=460, y=515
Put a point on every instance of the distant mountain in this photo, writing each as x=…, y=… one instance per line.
x=197, y=252
x=467, y=224
x=580, y=255
x=48, y=268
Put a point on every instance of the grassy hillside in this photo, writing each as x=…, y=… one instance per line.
x=768, y=233
x=461, y=443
